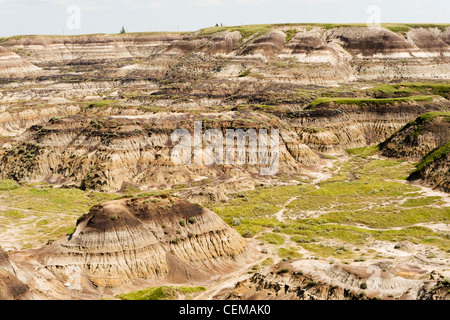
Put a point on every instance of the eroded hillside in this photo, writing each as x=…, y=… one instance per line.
x=92, y=204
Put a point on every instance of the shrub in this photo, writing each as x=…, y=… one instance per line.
x=182, y=223
x=247, y=234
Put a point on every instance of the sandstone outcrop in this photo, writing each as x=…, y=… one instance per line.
x=334, y=128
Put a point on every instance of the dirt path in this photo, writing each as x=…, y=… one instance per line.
x=279, y=214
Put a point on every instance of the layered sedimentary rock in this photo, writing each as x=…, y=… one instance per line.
x=17, y=119
x=419, y=137
x=103, y=153
x=424, y=140
x=160, y=239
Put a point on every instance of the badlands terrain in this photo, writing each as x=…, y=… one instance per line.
x=93, y=207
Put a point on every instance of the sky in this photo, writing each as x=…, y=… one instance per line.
x=69, y=17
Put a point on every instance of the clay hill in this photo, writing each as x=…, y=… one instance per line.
x=321, y=54
x=132, y=242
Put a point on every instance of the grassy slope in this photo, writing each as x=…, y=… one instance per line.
x=326, y=101
x=363, y=191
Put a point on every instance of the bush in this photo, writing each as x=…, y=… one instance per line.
x=192, y=220
x=247, y=234
x=182, y=223
x=236, y=222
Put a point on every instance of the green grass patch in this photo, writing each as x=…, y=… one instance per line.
x=50, y=212
x=358, y=236
x=245, y=73
x=261, y=202
x=160, y=293
x=388, y=217
x=420, y=202
x=47, y=199
x=430, y=116
x=413, y=88
x=246, y=31
x=404, y=28
x=15, y=214
x=267, y=262
x=272, y=238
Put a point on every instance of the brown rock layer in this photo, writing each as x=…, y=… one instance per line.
x=434, y=169
x=321, y=56
x=158, y=238
x=336, y=128
x=306, y=280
